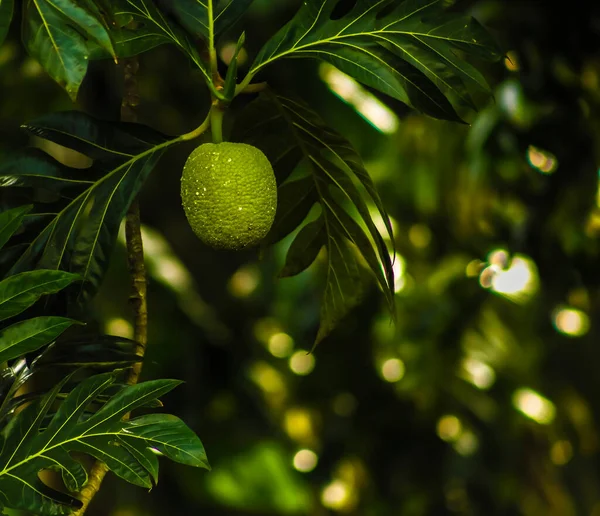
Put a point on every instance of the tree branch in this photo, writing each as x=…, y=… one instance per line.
x=137, y=270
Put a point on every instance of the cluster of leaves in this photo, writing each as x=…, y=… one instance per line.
x=35, y=435
x=38, y=438
x=413, y=51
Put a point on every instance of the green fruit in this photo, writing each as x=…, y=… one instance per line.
x=229, y=194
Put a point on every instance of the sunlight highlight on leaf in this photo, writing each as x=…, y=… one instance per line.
x=366, y=104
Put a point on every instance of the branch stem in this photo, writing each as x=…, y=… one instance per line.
x=216, y=121
x=202, y=128
x=137, y=270
x=138, y=299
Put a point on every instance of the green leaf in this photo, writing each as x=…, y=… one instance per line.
x=95, y=138
x=305, y=248
x=411, y=52
x=26, y=336
x=294, y=201
x=140, y=26
x=80, y=236
x=6, y=12
x=194, y=14
x=336, y=171
x=344, y=285
x=231, y=77
x=36, y=169
x=263, y=129
x=99, y=351
x=55, y=34
x=10, y=221
x=22, y=290
x=170, y=436
x=125, y=446
x=90, y=24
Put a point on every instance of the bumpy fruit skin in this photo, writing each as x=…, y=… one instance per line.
x=229, y=194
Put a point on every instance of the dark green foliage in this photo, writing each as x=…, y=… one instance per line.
x=124, y=155
x=128, y=448
x=59, y=224
x=287, y=126
x=408, y=52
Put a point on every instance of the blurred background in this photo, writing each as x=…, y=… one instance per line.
x=485, y=398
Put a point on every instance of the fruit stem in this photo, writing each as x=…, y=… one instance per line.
x=216, y=122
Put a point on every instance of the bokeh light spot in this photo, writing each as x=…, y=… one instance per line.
x=119, y=327
x=299, y=425
x=449, y=428
x=244, y=281
x=336, y=495
x=517, y=281
x=392, y=370
x=419, y=236
x=228, y=51
x=280, y=345
x=305, y=460
x=480, y=374
x=265, y=328
x=534, y=406
x=561, y=452
x=267, y=378
x=467, y=443
x=302, y=363
x=571, y=322
x=541, y=160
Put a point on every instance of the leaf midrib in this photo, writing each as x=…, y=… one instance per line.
x=83, y=197
x=47, y=27
x=80, y=438
x=335, y=39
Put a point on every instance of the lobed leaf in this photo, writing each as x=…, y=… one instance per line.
x=336, y=170
x=410, y=50
x=126, y=447
x=79, y=236
x=140, y=26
